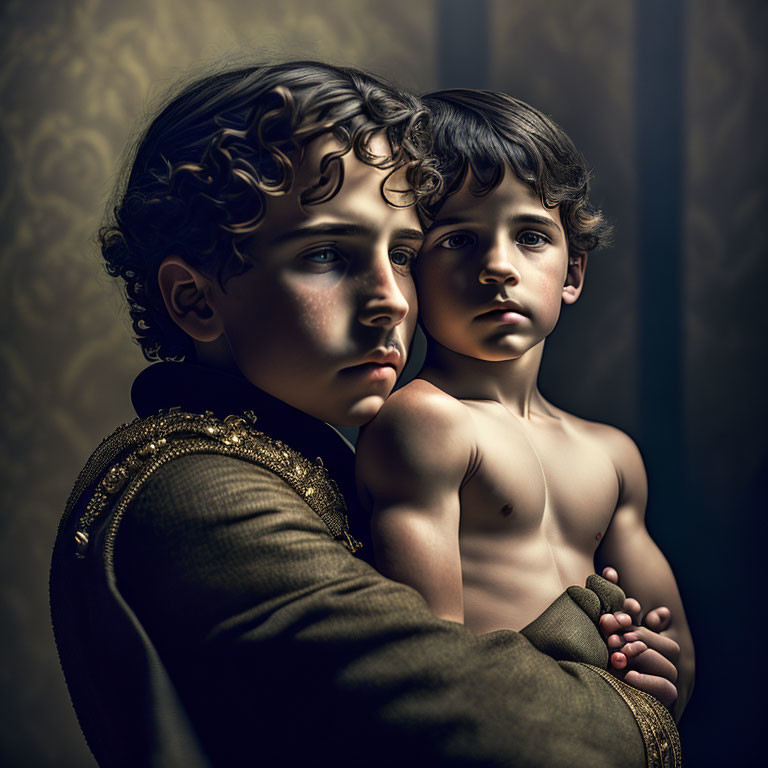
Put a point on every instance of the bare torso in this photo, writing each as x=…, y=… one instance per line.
x=489, y=512
x=535, y=502
x=491, y=506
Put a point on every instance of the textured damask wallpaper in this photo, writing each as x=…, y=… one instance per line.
x=76, y=75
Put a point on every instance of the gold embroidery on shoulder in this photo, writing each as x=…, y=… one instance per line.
x=657, y=727
x=124, y=461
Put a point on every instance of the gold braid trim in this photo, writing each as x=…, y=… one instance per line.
x=658, y=729
x=125, y=460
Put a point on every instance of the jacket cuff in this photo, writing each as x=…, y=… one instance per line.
x=657, y=727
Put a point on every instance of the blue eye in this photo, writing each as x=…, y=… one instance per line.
x=322, y=256
x=457, y=241
x=532, y=239
x=402, y=258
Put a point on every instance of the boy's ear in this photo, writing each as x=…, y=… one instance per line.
x=574, y=280
x=186, y=293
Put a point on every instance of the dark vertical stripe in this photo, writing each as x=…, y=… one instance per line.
x=463, y=43
x=659, y=123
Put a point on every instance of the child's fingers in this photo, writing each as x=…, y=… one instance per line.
x=610, y=623
x=658, y=619
x=633, y=608
x=666, y=646
x=659, y=687
x=634, y=649
x=652, y=662
x=618, y=660
x=610, y=574
x=621, y=659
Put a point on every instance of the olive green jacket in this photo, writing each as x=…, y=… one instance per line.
x=209, y=610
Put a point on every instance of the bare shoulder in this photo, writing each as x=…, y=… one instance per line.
x=421, y=430
x=419, y=411
x=619, y=446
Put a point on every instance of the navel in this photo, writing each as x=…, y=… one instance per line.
x=507, y=510
x=598, y=536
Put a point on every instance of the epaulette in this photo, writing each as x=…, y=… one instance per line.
x=124, y=461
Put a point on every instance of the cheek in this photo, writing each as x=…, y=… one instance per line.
x=549, y=290
x=317, y=312
x=438, y=289
x=426, y=291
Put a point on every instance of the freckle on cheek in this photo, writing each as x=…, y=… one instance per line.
x=316, y=318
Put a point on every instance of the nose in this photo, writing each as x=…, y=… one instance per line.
x=383, y=302
x=498, y=265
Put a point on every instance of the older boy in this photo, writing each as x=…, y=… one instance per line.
x=486, y=497
x=207, y=605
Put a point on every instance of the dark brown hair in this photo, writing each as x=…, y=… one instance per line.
x=484, y=133
x=206, y=165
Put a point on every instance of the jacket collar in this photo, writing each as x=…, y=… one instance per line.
x=198, y=388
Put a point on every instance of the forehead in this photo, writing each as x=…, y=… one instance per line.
x=359, y=201
x=511, y=198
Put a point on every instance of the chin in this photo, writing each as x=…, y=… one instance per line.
x=500, y=355
x=360, y=412
x=503, y=348
x=490, y=352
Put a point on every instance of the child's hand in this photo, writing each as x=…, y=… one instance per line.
x=658, y=619
x=649, y=629
x=641, y=656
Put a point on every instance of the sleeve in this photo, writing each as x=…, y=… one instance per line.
x=284, y=647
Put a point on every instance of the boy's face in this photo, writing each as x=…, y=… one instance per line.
x=324, y=318
x=494, y=271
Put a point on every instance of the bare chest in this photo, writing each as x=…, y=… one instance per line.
x=531, y=479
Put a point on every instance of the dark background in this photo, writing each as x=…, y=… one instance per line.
x=667, y=101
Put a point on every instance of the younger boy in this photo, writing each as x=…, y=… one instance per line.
x=486, y=497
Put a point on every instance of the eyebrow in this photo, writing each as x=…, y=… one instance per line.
x=343, y=230
x=523, y=218
x=532, y=218
x=408, y=234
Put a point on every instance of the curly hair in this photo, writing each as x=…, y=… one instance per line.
x=483, y=132
x=204, y=169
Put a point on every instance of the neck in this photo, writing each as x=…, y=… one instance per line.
x=513, y=383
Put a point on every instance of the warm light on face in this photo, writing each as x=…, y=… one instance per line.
x=324, y=318
x=492, y=272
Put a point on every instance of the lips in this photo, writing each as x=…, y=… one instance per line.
x=504, y=312
x=503, y=306
x=377, y=363
x=370, y=372
x=389, y=356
